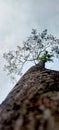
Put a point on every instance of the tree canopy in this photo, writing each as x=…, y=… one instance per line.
x=38, y=47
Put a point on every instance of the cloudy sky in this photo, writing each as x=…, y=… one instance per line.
x=17, y=18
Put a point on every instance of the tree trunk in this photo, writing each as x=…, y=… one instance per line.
x=41, y=64
x=20, y=110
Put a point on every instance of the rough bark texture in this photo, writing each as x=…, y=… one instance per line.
x=18, y=110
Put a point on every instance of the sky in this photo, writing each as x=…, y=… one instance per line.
x=17, y=18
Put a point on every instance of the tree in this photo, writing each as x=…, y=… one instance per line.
x=39, y=47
